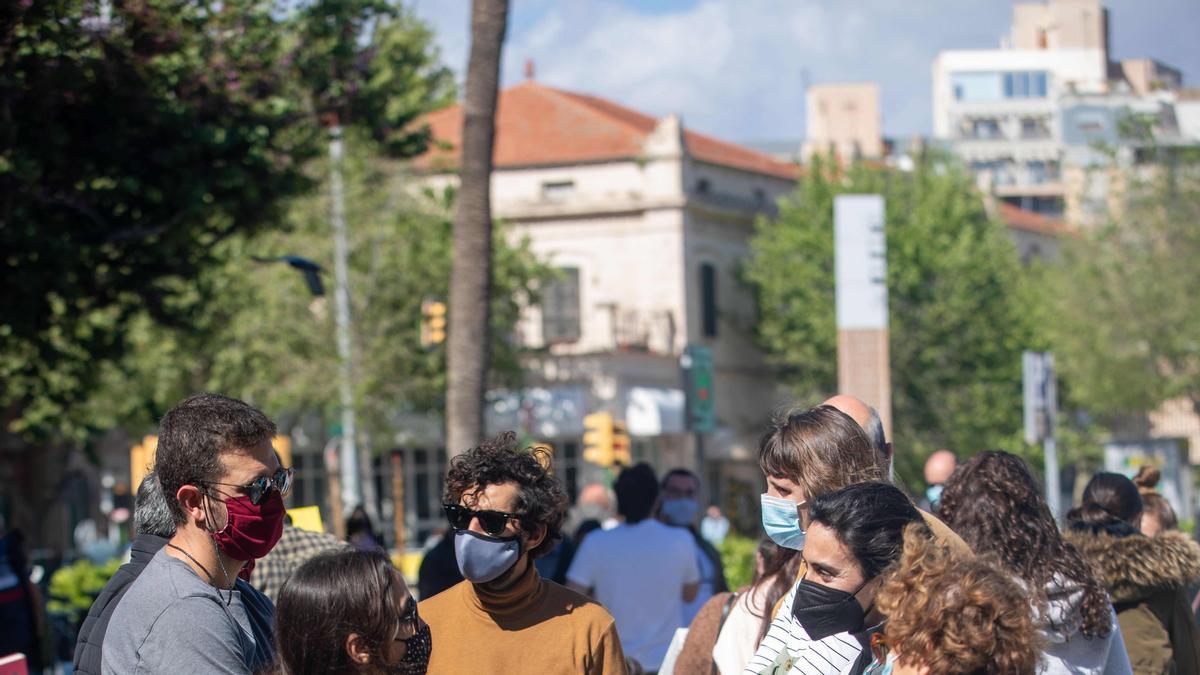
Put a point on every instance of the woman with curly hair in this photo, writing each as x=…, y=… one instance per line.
x=994, y=503
x=1146, y=576
x=953, y=614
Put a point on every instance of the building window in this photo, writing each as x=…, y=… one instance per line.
x=985, y=129
x=560, y=307
x=760, y=196
x=558, y=191
x=708, y=300
x=1030, y=84
x=703, y=186
x=981, y=86
x=1034, y=127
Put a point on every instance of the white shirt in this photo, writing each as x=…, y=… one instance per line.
x=788, y=650
x=638, y=572
x=737, y=640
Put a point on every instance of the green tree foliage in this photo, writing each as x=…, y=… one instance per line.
x=959, y=307
x=264, y=337
x=132, y=145
x=1126, y=314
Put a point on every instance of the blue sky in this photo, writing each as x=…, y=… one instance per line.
x=736, y=68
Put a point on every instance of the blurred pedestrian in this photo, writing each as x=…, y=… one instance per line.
x=294, y=548
x=1146, y=577
x=346, y=612
x=953, y=614
x=995, y=503
x=360, y=531
x=224, y=488
x=938, y=469
x=680, y=507
x=854, y=534
x=439, y=568
x=868, y=418
x=642, y=570
x=19, y=600
x=594, y=503
x=1157, y=513
x=714, y=527
x=728, y=629
x=506, y=509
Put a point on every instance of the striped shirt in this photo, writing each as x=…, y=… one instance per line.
x=788, y=650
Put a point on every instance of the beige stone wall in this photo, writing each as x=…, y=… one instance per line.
x=845, y=117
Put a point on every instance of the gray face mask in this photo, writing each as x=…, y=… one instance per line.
x=482, y=558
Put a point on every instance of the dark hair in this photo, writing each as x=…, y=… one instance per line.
x=193, y=435
x=821, y=449
x=1109, y=499
x=1154, y=504
x=679, y=472
x=994, y=503
x=540, y=496
x=636, y=490
x=330, y=596
x=151, y=513
x=780, y=567
x=869, y=518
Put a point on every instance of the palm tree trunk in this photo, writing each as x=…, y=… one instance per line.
x=471, y=275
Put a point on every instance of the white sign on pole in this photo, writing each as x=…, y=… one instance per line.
x=1041, y=408
x=860, y=262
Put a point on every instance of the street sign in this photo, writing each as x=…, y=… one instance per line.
x=1041, y=396
x=697, y=363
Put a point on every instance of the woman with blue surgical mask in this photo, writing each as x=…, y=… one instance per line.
x=825, y=627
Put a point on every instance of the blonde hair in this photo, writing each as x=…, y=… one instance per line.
x=956, y=614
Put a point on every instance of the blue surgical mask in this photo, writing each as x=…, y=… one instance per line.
x=482, y=558
x=680, y=512
x=934, y=494
x=781, y=521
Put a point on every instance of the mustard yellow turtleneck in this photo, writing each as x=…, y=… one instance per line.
x=531, y=626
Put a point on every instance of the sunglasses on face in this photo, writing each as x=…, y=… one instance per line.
x=259, y=488
x=409, y=622
x=493, y=522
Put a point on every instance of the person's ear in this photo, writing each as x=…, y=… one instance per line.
x=191, y=500
x=356, y=648
x=536, y=540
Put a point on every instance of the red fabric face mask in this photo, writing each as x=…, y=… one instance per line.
x=251, y=531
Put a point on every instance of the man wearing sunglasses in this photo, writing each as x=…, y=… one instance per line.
x=224, y=486
x=505, y=509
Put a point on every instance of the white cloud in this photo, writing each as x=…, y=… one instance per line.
x=734, y=68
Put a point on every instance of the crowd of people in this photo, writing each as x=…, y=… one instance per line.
x=851, y=576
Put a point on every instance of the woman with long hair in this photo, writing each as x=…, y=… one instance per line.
x=953, y=614
x=995, y=504
x=350, y=613
x=1145, y=576
x=729, y=627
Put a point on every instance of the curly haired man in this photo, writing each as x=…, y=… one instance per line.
x=506, y=509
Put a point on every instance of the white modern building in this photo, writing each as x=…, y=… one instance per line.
x=1024, y=115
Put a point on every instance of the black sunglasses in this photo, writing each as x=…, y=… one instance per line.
x=260, y=487
x=493, y=522
x=409, y=620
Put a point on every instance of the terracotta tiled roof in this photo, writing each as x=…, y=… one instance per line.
x=1021, y=219
x=539, y=125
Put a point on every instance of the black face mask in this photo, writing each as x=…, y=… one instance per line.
x=416, y=656
x=825, y=611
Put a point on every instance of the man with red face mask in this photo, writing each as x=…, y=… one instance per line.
x=223, y=483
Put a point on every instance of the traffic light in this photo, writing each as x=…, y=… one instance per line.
x=620, y=443
x=433, y=322
x=598, y=439
x=698, y=365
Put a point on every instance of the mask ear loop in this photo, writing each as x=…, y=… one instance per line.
x=212, y=537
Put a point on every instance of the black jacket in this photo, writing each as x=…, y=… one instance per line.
x=91, y=635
